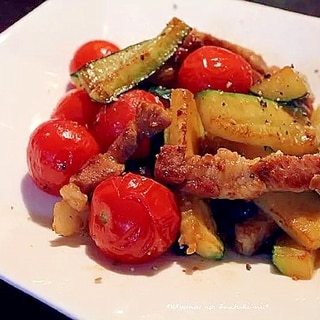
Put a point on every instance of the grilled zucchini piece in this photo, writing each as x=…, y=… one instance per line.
x=292, y=259
x=186, y=127
x=106, y=78
x=256, y=121
x=284, y=85
x=198, y=229
x=298, y=214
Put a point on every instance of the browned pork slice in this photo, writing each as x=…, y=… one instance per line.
x=150, y=119
x=228, y=175
x=251, y=233
x=315, y=183
x=95, y=171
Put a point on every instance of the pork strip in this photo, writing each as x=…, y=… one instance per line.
x=228, y=175
x=150, y=119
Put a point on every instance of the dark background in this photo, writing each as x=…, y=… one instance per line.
x=13, y=303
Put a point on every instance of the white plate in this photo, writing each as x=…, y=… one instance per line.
x=64, y=273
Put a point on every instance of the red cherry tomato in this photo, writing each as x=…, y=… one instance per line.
x=89, y=51
x=113, y=118
x=77, y=106
x=133, y=219
x=216, y=68
x=56, y=150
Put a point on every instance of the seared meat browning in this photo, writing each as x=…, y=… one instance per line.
x=223, y=175
x=231, y=176
x=95, y=171
x=250, y=234
x=150, y=119
x=288, y=173
x=315, y=183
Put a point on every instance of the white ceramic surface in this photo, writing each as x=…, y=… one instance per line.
x=69, y=274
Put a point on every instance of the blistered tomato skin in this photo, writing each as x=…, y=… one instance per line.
x=133, y=219
x=77, y=106
x=56, y=150
x=91, y=50
x=112, y=119
x=211, y=67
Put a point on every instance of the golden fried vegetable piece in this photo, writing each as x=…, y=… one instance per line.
x=210, y=144
x=256, y=121
x=70, y=214
x=186, y=127
x=292, y=259
x=67, y=221
x=75, y=198
x=298, y=214
x=104, y=79
x=315, y=120
x=197, y=231
x=285, y=84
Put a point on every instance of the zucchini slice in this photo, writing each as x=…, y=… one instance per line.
x=292, y=259
x=256, y=121
x=84, y=77
x=198, y=228
x=104, y=79
x=284, y=85
x=298, y=214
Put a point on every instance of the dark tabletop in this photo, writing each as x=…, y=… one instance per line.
x=13, y=302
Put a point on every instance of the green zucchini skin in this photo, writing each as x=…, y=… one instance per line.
x=84, y=77
x=106, y=78
x=256, y=121
x=285, y=85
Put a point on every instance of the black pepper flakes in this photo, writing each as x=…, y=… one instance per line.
x=248, y=266
x=262, y=103
x=98, y=280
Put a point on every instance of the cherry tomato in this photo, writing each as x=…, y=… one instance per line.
x=133, y=219
x=56, y=150
x=91, y=50
x=77, y=106
x=113, y=118
x=216, y=68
